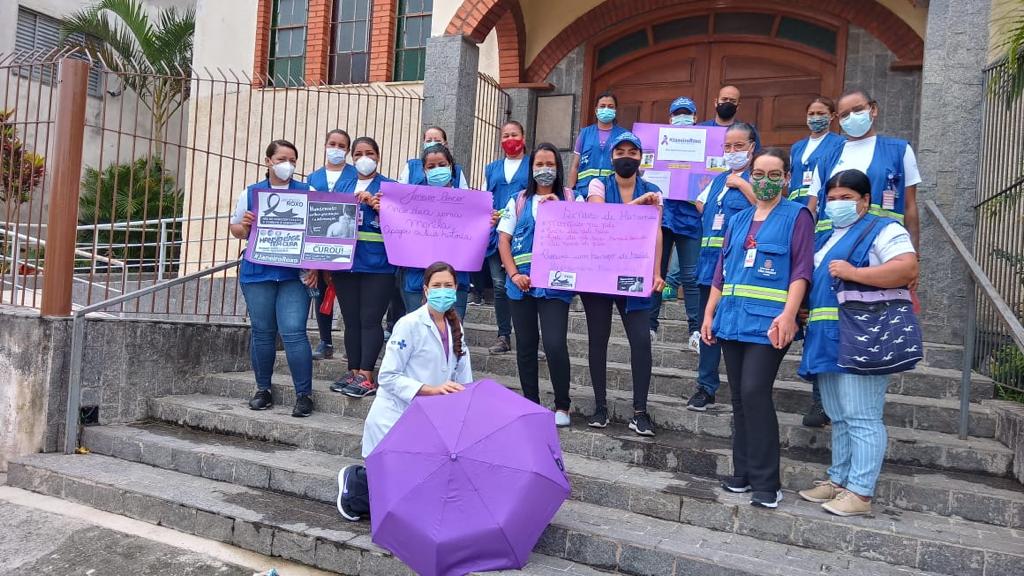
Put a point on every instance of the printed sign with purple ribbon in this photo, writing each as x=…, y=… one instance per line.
x=588, y=247
x=681, y=160
x=296, y=229
x=424, y=224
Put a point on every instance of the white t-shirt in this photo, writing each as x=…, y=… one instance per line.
x=403, y=178
x=812, y=145
x=892, y=241
x=362, y=185
x=596, y=188
x=706, y=192
x=857, y=155
x=511, y=167
x=509, y=218
x=332, y=179
x=242, y=206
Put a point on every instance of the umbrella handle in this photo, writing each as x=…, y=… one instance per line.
x=561, y=466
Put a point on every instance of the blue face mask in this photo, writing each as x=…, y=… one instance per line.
x=857, y=124
x=843, y=213
x=818, y=123
x=682, y=120
x=439, y=176
x=430, y=144
x=441, y=299
x=605, y=115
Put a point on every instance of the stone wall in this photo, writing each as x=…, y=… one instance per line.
x=567, y=78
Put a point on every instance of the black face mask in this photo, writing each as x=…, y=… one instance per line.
x=726, y=110
x=626, y=167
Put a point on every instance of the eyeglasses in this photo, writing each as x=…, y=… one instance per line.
x=736, y=147
x=773, y=175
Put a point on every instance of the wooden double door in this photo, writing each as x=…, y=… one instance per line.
x=776, y=84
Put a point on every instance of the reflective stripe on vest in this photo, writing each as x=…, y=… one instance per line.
x=712, y=241
x=523, y=259
x=799, y=193
x=370, y=237
x=755, y=292
x=823, y=226
x=595, y=173
x=826, y=313
x=826, y=225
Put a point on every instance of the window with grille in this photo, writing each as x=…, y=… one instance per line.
x=40, y=33
x=350, y=42
x=413, y=33
x=287, y=63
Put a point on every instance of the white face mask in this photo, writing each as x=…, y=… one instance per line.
x=366, y=165
x=284, y=170
x=336, y=156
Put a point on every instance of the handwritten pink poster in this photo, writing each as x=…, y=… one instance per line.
x=602, y=248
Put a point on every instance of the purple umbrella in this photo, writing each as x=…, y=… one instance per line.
x=466, y=482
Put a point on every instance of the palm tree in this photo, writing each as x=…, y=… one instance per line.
x=1009, y=78
x=153, y=59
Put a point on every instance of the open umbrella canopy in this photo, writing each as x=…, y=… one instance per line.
x=466, y=482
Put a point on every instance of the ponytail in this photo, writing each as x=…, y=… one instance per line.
x=453, y=320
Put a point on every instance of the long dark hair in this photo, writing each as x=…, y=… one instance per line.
x=853, y=179
x=558, y=186
x=451, y=315
x=272, y=149
x=366, y=140
x=607, y=94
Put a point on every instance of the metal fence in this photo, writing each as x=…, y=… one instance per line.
x=493, y=109
x=165, y=157
x=999, y=238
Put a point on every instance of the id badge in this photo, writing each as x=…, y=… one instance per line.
x=719, y=221
x=808, y=178
x=888, y=199
x=748, y=262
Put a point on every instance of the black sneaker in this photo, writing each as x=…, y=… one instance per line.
x=599, y=419
x=641, y=424
x=303, y=406
x=360, y=387
x=343, y=477
x=735, y=484
x=700, y=400
x=343, y=382
x=323, y=351
x=262, y=400
x=816, y=417
x=501, y=346
x=766, y=499
x=475, y=299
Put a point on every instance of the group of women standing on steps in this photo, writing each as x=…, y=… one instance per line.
x=753, y=249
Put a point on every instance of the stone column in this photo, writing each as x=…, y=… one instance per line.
x=948, y=153
x=524, y=110
x=449, y=92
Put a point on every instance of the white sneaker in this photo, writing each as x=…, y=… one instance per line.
x=695, y=341
x=654, y=336
x=562, y=419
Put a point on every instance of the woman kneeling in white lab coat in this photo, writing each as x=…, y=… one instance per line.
x=426, y=356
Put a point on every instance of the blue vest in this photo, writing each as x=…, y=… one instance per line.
x=522, y=253
x=318, y=179
x=753, y=296
x=821, y=343
x=613, y=196
x=797, y=191
x=249, y=272
x=418, y=176
x=729, y=202
x=595, y=159
x=681, y=217
x=371, y=256
x=885, y=173
x=757, y=137
x=502, y=191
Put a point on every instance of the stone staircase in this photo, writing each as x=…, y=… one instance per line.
x=264, y=481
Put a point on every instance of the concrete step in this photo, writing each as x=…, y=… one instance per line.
x=906, y=411
x=273, y=524
x=994, y=501
x=912, y=536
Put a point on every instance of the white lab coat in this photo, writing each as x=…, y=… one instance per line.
x=412, y=357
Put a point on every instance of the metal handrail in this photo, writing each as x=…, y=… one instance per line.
x=74, y=403
x=976, y=277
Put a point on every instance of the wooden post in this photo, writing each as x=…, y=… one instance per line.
x=66, y=161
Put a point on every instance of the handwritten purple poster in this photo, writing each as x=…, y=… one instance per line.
x=588, y=247
x=424, y=224
x=681, y=160
x=296, y=229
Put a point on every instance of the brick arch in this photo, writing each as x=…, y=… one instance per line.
x=476, y=18
x=878, y=20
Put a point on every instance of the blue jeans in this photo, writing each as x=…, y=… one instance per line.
x=414, y=300
x=280, y=307
x=501, y=307
x=855, y=404
x=687, y=251
x=710, y=355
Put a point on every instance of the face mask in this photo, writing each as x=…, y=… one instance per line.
x=439, y=176
x=512, y=147
x=605, y=115
x=366, y=165
x=682, y=120
x=857, y=124
x=544, y=176
x=766, y=189
x=431, y=144
x=284, y=170
x=626, y=167
x=843, y=213
x=335, y=156
x=441, y=299
x=736, y=160
x=818, y=123
x=726, y=110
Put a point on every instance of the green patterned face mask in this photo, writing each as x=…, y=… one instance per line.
x=766, y=188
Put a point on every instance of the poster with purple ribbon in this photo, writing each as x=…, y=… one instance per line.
x=296, y=229
x=681, y=160
x=588, y=247
x=424, y=224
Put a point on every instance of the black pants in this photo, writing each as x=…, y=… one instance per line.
x=755, y=442
x=357, y=500
x=598, y=308
x=364, y=300
x=324, y=322
x=396, y=308
x=554, y=326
